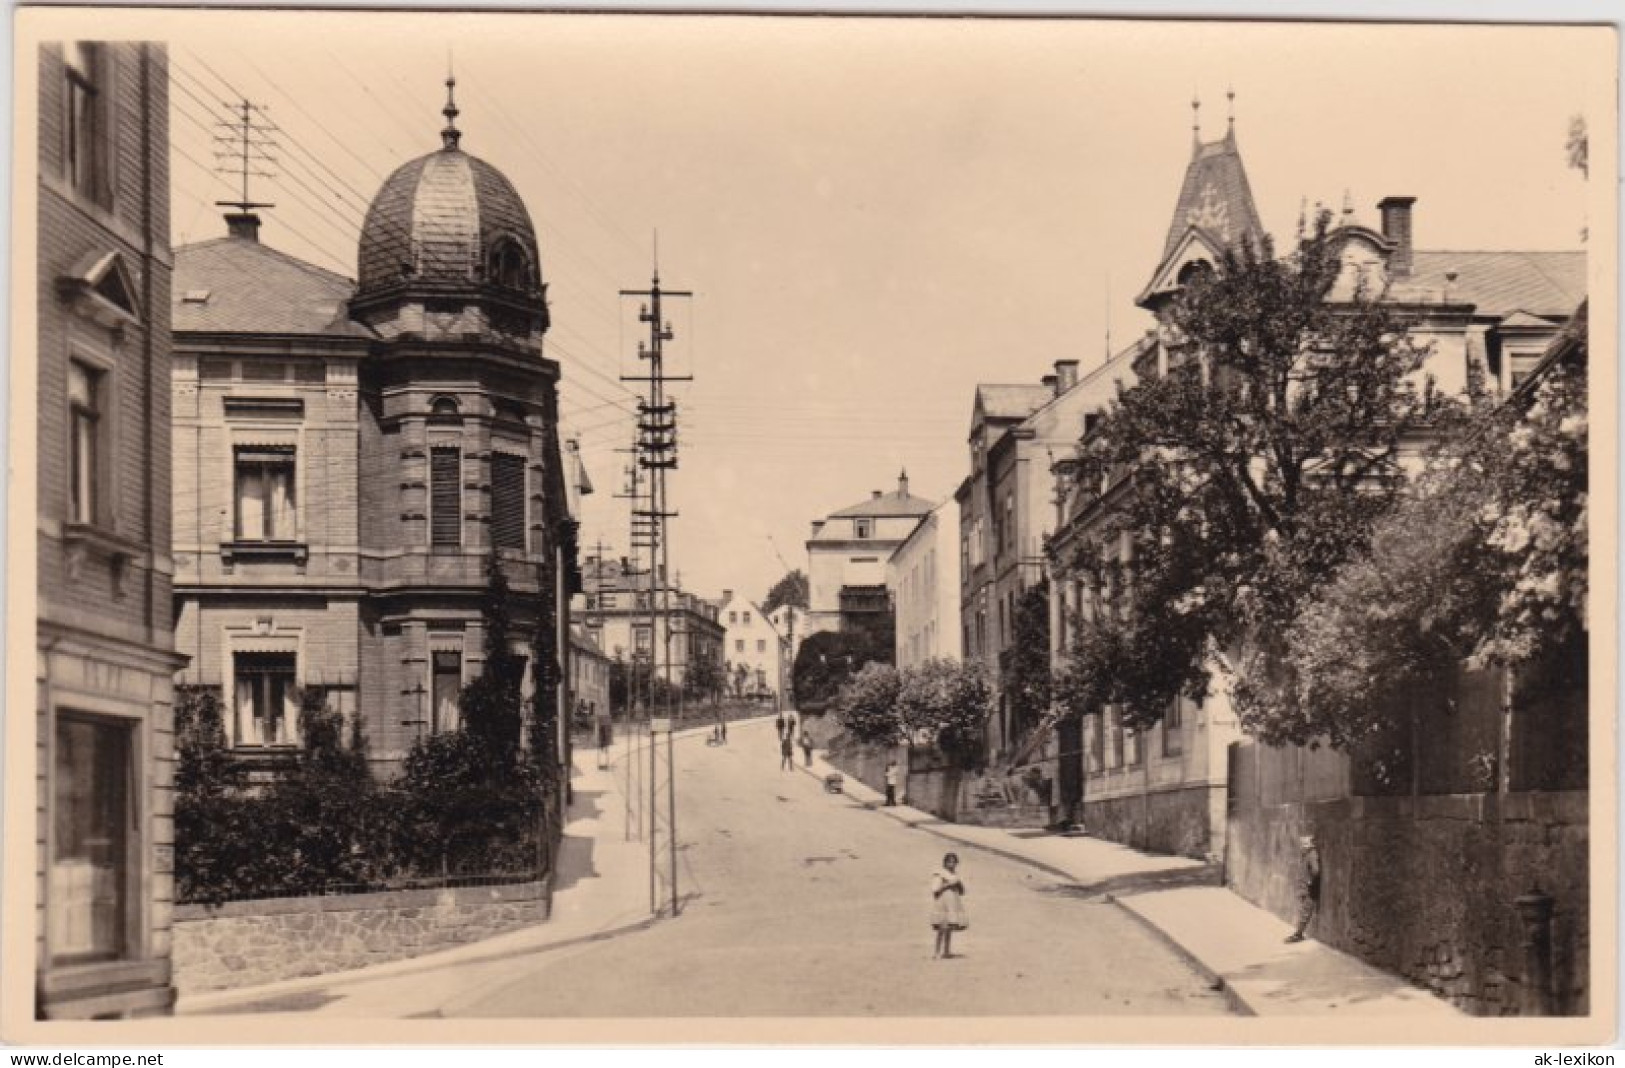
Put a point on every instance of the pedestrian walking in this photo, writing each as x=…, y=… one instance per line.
x=787, y=753
x=779, y=723
x=1308, y=886
x=806, y=747
x=947, y=905
x=892, y=776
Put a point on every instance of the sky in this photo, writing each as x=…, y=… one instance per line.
x=874, y=214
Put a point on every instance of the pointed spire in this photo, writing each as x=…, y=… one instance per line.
x=1196, y=120
x=1230, y=117
x=451, y=134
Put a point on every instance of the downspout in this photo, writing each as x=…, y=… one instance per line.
x=147, y=354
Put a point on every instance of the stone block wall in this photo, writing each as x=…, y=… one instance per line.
x=989, y=799
x=1426, y=887
x=246, y=943
x=1177, y=820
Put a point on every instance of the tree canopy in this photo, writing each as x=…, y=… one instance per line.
x=791, y=590
x=1245, y=474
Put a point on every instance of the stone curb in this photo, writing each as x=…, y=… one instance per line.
x=1215, y=981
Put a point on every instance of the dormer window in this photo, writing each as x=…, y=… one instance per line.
x=1194, y=271
x=865, y=527
x=445, y=410
x=510, y=266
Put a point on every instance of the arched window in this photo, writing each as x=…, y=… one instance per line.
x=510, y=266
x=445, y=409
x=1194, y=270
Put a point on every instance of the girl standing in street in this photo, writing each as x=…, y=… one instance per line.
x=947, y=904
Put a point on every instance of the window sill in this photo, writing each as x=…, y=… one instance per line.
x=82, y=540
x=264, y=552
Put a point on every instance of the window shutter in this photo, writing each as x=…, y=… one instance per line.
x=445, y=498
x=507, y=501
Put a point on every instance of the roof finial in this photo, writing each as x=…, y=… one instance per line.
x=451, y=134
x=1348, y=204
x=1196, y=118
x=1230, y=95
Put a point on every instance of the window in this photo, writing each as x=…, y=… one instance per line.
x=1010, y=522
x=761, y=645
x=266, y=508
x=509, y=265
x=865, y=527
x=642, y=639
x=1136, y=750
x=445, y=498
x=93, y=813
x=733, y=617
x=85, y=388
x=84, y=153
x=447, y=688
x=744, y=617
x=267, y=700
x=507, y=501
x=739, y=645
x=1171, y=723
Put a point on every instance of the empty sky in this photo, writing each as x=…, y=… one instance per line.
x=875, y=214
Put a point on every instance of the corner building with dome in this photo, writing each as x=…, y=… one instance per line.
x=349, y=455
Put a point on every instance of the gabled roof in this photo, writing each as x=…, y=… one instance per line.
x=238, y=286
x=1546, y=284
x=1011, y=401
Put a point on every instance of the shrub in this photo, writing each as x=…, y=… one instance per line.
x=867, y=705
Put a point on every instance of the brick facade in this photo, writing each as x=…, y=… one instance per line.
x=103, y=851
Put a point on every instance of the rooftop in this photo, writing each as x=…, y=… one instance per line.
x=238, y=285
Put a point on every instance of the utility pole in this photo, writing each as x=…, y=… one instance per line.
x=631, y=569
x=657, y=454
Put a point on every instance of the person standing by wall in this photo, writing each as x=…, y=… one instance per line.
x=892, y=777
x=947, y=905
x=1308, y=886
x=787, y=752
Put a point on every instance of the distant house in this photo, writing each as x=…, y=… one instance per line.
x=616, y=610
x=923, y=577
x=847, y=553
x=752, y=648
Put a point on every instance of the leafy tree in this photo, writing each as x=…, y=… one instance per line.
x=491, y=703
x=867, y=705
x=945, y=704
x=1484, y=560
x=827, y=659
x=1025, y=666
x=791, y=590
x=217, y=844
x=704, y=678
x=1254, y=468
x=463, y=815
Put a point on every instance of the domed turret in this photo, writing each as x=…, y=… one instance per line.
x=448, y=225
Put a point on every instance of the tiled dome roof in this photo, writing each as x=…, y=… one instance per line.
x=448, y=219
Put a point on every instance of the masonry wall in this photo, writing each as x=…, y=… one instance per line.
x=247, y=943
x=1180, y=819
x=959, y=796
x=1426, y=887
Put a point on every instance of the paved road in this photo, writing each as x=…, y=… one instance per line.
x=802, y=903
x=796, y=903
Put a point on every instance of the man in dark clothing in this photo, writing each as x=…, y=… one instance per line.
x=1308, y=886
x=787, y=753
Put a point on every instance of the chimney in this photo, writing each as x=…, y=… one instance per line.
x=243, y=224
x=1049, y=384
x=902, y=482
x=1066, y=375
x=727, y=595
x=874, y=495
x=1396, y=227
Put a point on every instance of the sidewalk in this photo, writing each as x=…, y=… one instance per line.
x=600, y=891
x=1239, y=947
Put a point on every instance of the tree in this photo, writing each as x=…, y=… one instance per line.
x=791, y=590
x=827, y=659
x=945, y=704
x=704, y=678
x=216, y=840
x=867, y=705
x=491, y=704
x=1254, y=468
x=1025, y=668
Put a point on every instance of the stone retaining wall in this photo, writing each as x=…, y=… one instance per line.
x=246, y=943
x=990, y=799
x=1177, y=820
x=1428, y=887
